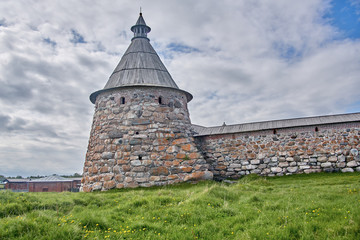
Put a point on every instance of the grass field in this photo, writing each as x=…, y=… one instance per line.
x=316, y=206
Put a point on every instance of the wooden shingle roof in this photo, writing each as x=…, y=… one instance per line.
x=140, y=65
x=276, y=124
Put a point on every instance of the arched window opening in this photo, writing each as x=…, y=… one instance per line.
x=137, y=133
x=160, y=100
x=122, y=100
x=274, y=131
x=316, y=129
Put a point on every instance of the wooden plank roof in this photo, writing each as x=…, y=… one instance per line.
x=276, y=124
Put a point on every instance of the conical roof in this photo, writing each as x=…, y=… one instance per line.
x=140, y=65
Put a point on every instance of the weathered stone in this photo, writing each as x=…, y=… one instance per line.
x=322, y=159
x=135, y=163
x=292, y=169
x=352, y=164
x=276, y=169
x=109, y=184
x=326, y=165
x=354, y=152
x=283, y=164
x=234, y=165
x=347, y=170
x=116, y=169
x=135, y=141
x=333, y=159
x=115, y=134
x=159, y=171
x=107, y=155
x=341, y=164
x=255, y=162
x=154, y=178
x=97, y=186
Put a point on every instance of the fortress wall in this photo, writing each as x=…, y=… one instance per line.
x=137, y=140
x=334, y=147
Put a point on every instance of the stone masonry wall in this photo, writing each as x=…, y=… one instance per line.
x=331, y=148
x=139, y=140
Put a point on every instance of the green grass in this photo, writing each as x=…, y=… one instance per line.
x=316, y=206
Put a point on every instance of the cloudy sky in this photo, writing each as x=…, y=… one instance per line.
x=243, y=61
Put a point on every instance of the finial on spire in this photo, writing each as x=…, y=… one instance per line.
x=140, y=29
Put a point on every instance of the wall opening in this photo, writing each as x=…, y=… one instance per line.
x=137, y=133
x=140, y=157
x=160, y=100
x=316, y=129
x=274, y=131
x=45, y=189
x=122, y=100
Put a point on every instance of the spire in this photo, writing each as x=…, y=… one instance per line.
x=140, y=65
x=140, y=29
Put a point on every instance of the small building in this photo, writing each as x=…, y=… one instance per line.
x=52, y=183
x=55, y=183
x=2, y=183
x=17, y=184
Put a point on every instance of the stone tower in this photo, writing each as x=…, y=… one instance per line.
x=141, y=133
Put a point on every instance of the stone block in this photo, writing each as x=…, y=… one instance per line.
x=138, y=169
x=135, y=163
x=107, y=155
x=352, y=164
x=354, y=152
x=255, y=162
x=115, y=134
x=109, y=184
x=180, y=141
x=283, y=164
x=341, y=164
x=322, y=159
x=155, y=178
x=347, y=170
x=325, y=164
x=250, y=167
x=342, y=158
x=141, y=180
x=292, y=169
x=116, y=169
x=333, y=159
x=157, y=171
x=186, y=169
x=235, y=165
x=97, y=186
x=293, y=164
x=276, y=169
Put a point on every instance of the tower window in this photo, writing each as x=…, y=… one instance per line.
x=160, y=100
x=122, y=100
x=274, y=131
x=316, y=129
x=140, y=157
